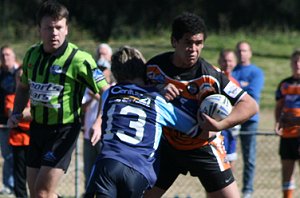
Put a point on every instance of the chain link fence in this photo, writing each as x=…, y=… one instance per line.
x=267, y=177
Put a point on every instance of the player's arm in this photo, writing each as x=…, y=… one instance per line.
x=176, y=118
x=245, y=108
x=21, y=100
x=96, y=128
x=278, y=112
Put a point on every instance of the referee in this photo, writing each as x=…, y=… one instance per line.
x=55, y=76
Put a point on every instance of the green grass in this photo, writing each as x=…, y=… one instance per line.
x=271, y=51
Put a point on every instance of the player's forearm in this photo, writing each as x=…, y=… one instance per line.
x=21, y=99
x=243, y=110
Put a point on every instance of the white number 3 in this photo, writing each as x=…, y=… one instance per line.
x=138, y=125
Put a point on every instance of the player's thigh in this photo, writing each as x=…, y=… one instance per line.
x=48, y=178
x=102, y=181
x=230, y=191
x=111, y=178
x=31, y=175
x=169, y=166
x=133, y=183
x=210, y=165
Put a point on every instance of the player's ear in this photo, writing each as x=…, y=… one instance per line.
x=173, y=42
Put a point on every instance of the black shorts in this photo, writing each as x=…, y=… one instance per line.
x=208, y=163
x=111, y=178
x=288, y=148
x=52, y=145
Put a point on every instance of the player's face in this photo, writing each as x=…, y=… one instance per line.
x=53, y=33
x=295, y=63
x=187, y=49
x=244, y=53
x=228, y=62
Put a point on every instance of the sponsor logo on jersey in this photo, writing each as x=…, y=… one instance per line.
x=192, y=88
x=56, y=69
x=232, y=89
x=130, y=96
x=43, y=93
x=98, y=75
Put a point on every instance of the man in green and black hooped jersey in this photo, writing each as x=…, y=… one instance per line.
x=55, y=76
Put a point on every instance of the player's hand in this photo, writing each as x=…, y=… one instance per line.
x=171, y=91
x=95, y=135
x=14, y=120
x=209, y=126
x=278, y=128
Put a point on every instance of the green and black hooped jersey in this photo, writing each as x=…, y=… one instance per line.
x=57, y=82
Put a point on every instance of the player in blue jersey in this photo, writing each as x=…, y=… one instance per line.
x=132, y=119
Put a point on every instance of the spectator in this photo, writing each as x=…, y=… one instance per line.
x=103, y=58
x=227, y=61
x=8, y=69
x=187, y=80
x=90, y=109
x=251, y=79
x=133, y=114
x=19, y=140
x=287, y=117
x=56, y=74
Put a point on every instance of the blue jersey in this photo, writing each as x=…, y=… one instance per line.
x=132, y=121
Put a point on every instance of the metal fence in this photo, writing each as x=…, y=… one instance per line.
x=267, y=177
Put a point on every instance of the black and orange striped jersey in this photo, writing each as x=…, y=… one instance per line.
x=197, y=82
x=289, y=90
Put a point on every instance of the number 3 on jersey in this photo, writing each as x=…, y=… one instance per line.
x=137, y=125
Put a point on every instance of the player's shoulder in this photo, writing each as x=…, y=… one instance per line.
x=206, y=66
x=80, y=55
x=289, y=79
x=160, y=58
x=34, y=47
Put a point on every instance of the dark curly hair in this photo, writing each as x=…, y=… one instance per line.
x=188, y=23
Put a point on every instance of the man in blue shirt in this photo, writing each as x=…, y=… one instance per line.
x=251, y=79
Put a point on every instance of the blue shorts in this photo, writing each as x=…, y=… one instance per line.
x=111, y=178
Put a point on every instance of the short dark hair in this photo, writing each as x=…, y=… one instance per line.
x=128, y=64
x=188, y=23
x=53, y=9
x=296, y=54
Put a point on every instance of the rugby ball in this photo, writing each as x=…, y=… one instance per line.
x=216, y=106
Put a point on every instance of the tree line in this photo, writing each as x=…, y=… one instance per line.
x=107, y=18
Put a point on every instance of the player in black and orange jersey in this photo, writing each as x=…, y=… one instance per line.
x=287, y=116
x=187, y=80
